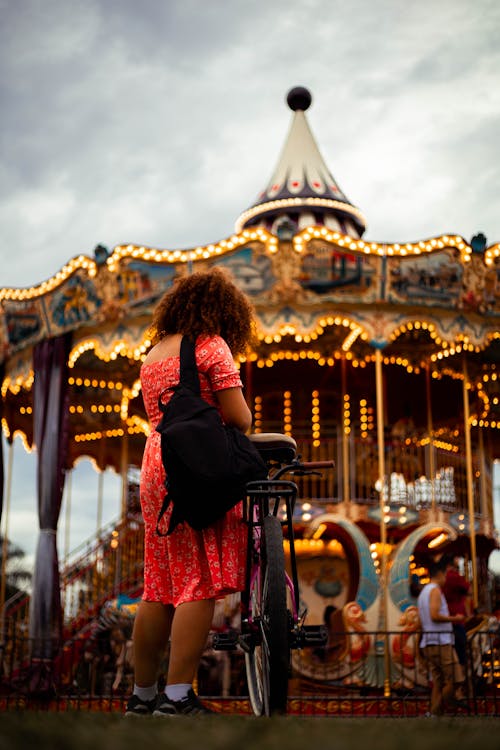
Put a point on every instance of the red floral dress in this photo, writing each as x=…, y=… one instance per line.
x=188, y=565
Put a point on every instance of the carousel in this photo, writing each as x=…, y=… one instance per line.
x=384, y=357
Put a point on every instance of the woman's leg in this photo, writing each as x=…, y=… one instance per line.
x=151, y=633
x=190, y=629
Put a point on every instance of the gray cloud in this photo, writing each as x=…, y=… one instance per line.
x=160, y=124
x=82, y=519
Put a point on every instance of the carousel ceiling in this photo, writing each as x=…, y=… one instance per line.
x=319, y=296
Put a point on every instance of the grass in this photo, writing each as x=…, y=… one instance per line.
x=95, y=731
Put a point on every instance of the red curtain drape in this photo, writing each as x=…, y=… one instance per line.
x=50, y=432
x=2, y=370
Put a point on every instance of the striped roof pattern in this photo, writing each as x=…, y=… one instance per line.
x=301, y=176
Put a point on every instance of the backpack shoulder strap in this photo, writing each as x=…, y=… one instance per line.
x=188, y=370
x=188, y=375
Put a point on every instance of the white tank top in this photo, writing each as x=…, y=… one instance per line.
x=433, y=633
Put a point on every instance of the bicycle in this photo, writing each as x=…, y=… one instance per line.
x=271, y=624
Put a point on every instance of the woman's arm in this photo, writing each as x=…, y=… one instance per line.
x=234, y=409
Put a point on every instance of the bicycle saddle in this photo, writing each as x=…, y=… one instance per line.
x=273, y=446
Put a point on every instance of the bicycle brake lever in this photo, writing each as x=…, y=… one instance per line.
x=302, y=617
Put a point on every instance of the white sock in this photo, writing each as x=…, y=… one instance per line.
x=178, y=691
x=146, y=693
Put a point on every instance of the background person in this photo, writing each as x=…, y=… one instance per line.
x=437, y=642
x=458, y=597
x=186, y=571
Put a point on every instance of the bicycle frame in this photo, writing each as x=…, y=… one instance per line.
x=271, y=624
x=257, y=506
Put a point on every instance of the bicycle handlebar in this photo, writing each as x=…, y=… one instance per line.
x=317, y=464
x=303, y=467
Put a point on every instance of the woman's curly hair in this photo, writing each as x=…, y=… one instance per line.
x=206, y=303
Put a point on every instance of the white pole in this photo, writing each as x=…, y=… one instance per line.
x=67, y=516
x=382, y=503
x=5, y=541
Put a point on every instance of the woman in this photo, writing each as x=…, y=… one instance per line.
x=186, y=571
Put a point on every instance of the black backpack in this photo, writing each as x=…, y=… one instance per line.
x=207, y=463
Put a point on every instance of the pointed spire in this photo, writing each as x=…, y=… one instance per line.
x=302, y=187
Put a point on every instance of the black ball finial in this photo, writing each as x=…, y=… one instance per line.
x=299, y=98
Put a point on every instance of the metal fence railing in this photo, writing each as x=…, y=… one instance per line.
x=345, y=678
x=409, y=479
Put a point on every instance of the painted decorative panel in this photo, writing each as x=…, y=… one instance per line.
x=25, y=322
x=73, y=303
x=434, y=280
x=251, y=268
x=329, y=271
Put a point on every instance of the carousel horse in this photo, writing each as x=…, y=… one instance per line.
x=357, y=640
x=405, y=643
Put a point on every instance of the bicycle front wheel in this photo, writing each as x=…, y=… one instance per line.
x=268, y=661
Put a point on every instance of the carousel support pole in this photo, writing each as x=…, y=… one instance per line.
x=100, y=493
x=249, y=384
x=5, y=539
x=470, y=489
x=99, y=554
x=67, y=526
x=486, y=513
x=430, y=432
x=67, y=515
x=98, y=548
x=382, y=502
x=345, y=443
x=124, y=473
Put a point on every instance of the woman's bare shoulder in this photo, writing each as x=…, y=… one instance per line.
x=170, y=346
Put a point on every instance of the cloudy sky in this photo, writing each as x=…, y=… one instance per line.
x=158, y=122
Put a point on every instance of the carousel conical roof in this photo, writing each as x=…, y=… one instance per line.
x=301, y=186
